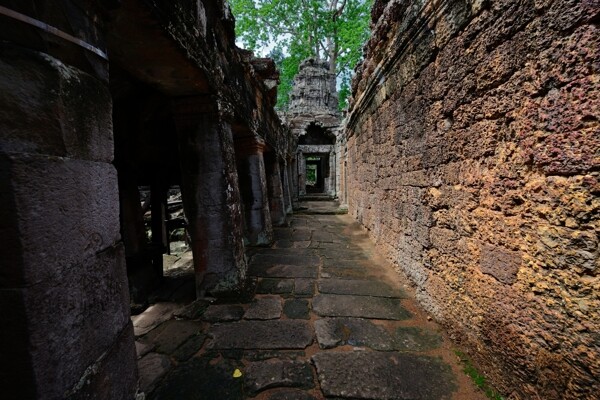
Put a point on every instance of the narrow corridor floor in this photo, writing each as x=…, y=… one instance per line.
x=326, y=318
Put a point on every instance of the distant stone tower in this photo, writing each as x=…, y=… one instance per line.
x=314, y=90
x=314, y=118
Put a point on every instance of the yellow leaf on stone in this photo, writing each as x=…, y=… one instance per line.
x=237, y=373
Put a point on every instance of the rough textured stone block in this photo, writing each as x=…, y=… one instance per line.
x=385, y=375
x=279, y=334
x=66, y=211
x=50, y=108
x=328, y=305
x=276, y=373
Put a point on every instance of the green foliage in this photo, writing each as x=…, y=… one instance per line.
x=478, y=379
x=330, y=30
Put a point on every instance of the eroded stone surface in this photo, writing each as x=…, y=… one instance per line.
x=223, y=313
x=383, y=375
x=190, y=347
x=328, y=305
x=152, y=317
x=264, y=308
x=291, y=394
x=152, y=367
x=276, y=373
x=171, y=334
x=296, y=309
x=284, y=271
x=359, y=288
x=278, y=334
x=275, y=286
x=333, y=332
x=416, y=339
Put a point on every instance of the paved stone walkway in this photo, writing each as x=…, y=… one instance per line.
x=323, y=318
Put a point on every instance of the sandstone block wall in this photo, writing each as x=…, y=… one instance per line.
x=473, y=160
x=64, y=325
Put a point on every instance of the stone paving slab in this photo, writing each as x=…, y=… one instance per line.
x=383, y=375
x=343, y=254
x=346, y=273
x=223, y=313
x=296, y=309
x=300, y=257
x=333, y=332
x=304, y=287
x=262, y=375
x=189, y=348
x=283, y=271
x=153, y=316
x=350, y=264
x=201, y=379
x=275, y=286
x=152, y=367
x=276, y=334
x=330, y=305
x=264, y=308
x=170, y=335
x=291, y=394
x=359, y=288
x=416, y=339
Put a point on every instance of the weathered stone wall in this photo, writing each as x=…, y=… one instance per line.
x=473, y=160
x=64, y=319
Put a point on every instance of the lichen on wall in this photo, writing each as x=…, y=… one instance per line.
x=473, y=160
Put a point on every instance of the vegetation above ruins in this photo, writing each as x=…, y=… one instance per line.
x=330, y=30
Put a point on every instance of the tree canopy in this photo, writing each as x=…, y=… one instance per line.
x=330, y=30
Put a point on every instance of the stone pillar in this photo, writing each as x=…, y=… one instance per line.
x=332, y=173
x=293, y=177
x=253, y=185
x=65, y=330
x=275, y=189
x=301, y=174
x=287, y=190
x=210, y=193
x=142, y=279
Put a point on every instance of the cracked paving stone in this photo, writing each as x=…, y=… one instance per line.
x=332, y=332
x=416, y=339
x=359, y=288
x=296, y=309
x=329, y=305
x=269, y=374
x=223, y=313
x=274, y=334
x=383, y=375
x=265, y=308
x=275, y=286
x=170, y=335
x=201, y=379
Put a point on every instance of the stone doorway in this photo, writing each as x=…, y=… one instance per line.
x=317, y=170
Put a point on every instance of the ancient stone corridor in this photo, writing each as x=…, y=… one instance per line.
x=323, y=317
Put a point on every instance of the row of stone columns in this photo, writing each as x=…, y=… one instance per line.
x=233, y=193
